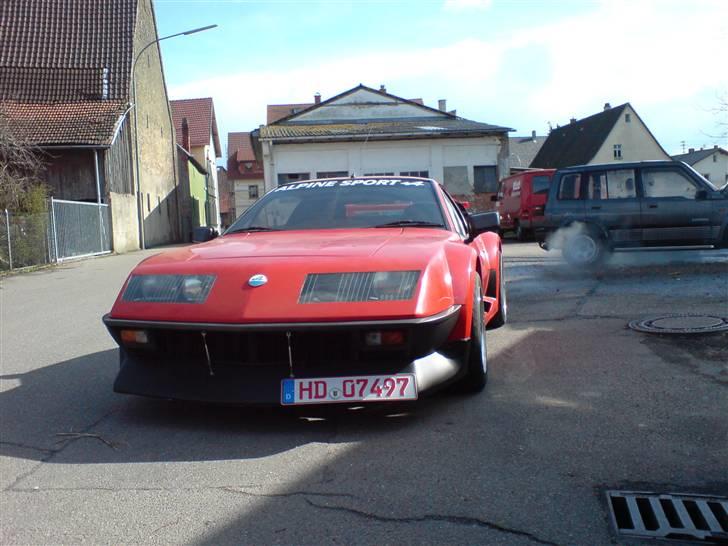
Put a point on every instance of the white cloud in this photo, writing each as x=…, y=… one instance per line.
x=654, y=55
x=460, y=5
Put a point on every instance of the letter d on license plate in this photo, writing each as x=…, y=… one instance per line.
x=364, y=388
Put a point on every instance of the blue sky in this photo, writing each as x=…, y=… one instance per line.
x=519, y=63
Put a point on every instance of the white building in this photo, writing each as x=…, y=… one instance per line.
x=368, y=132
x=614, y=135
x=712, y=163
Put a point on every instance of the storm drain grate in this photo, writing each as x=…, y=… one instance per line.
x=673, y=516
x=684, y=323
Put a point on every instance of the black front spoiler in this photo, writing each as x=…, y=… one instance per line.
x=153, y=375
x=258, y=385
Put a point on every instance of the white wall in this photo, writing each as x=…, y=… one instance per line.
x=360, y=158
x=242, y=201
x=718, y=169
x=637, y=143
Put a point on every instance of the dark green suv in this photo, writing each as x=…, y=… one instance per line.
x=594, y=209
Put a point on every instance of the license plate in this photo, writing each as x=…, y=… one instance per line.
x=366, y=388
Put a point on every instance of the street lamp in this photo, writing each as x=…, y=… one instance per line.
x=140, y=201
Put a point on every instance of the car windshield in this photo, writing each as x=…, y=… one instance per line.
x=348, y=203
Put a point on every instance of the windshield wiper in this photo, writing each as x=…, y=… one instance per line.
x=410, y=223
x=252, y=228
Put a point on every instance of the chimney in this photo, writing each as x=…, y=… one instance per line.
x=691, y=150
x=607, y=106
x=715, y=146
x=533, y=135
x=317, y=98
x=572, y=120
x=441, y=105
x=185, y=134
x=382, y=88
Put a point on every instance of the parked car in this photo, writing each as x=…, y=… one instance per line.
x=592, y=210
x=326, y=291
x=521, y=199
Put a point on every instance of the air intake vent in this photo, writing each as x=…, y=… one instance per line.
x=672, y=517
x=351, y=287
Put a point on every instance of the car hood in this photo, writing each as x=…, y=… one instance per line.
x=286, y=258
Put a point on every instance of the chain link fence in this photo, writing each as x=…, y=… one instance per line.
x=70, y=229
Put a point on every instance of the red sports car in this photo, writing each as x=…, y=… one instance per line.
x=342, y=290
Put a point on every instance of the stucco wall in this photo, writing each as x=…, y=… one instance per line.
x=359, y=158
x=637, y=143
x=205, y=155
x=718, y=169
x=155, y=136
x=125, y=235
x=242, y=202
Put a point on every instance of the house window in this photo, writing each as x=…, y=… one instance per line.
x=332, y=174
x=378, y=174
x=284, y=178
x=253, y=191
x=486, y=179
x=617, y=151
x=420, y=174
x=627, y=118
x=457, y=181
x=706, y=176
x=159, y=205
x=715, y=158
x=149, y=203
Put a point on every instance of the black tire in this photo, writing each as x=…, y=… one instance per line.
x=585, y=248
x=501, y=317
x=476, y=354
x=521, y=232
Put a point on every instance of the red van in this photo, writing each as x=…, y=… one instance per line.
x=521, y=199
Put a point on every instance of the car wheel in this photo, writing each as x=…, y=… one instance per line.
x=521, y=233
x=476, y=355
x=585, y=248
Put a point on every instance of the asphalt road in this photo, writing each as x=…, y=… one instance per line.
x=576, y=404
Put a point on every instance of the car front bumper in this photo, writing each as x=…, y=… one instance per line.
x=248, y=362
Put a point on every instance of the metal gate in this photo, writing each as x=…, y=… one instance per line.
x=79, y=229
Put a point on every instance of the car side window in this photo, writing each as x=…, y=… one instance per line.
x=614, y=184
x=541, y=184
x=570, y=187
x=667, y=183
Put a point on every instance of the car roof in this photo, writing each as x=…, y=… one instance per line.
x=631, y=164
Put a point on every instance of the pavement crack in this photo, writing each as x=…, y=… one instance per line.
x=32, y=448
x=232, y=489
x=455, y=520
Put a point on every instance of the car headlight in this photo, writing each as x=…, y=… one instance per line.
x=364, y=286
x=169, y=288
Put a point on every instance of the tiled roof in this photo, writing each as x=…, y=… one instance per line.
x=57, y=51
x=240, y=151
x=89, y=123
x=523, y=150
x=578, y=142
x=691, y=158
x=280, y=111
x=200, y=114
x=65, y=68
x=433, y=127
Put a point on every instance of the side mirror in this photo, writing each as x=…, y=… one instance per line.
x=203, y=234
x=484, y=221
x=701, y=195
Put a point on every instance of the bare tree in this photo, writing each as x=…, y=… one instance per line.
x=21, y=166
